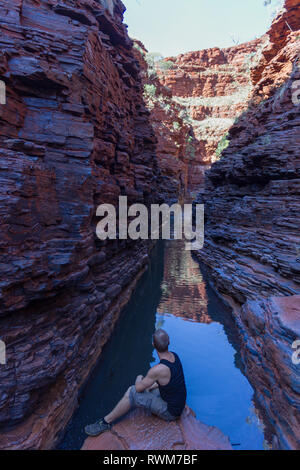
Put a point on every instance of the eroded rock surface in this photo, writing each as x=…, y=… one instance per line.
x=173, y=134
x=193, y=100
x=252, y=193
x=269, y=328
x=252, y=229
x=141, y=431
x=212, y=88
x=75, y=133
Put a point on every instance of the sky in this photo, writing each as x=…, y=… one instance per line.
x=172, y=27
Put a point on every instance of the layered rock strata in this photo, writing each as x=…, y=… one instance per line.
x=269, y=328
x=252, y=194
x=252, y=223
x=193, y=100
x=212, y=88
x=75, y=133
x=173, y=134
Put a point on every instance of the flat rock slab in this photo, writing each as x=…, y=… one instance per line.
x=142, y=431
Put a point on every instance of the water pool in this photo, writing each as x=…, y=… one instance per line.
x=174, y=294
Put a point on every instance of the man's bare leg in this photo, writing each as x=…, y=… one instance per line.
x=122, y=407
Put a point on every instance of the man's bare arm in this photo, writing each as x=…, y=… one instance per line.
x=148, y=382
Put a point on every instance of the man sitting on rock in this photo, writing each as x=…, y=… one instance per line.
x=162, y=391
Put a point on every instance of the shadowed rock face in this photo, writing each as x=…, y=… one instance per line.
x=171, y=131
x=193, y=100
x=74, y=133
x=252, y=193
x=252, y=210
x=211, y=87
x=269, y=328
x=140, y=431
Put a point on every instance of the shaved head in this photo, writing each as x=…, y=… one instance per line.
x=161, y=340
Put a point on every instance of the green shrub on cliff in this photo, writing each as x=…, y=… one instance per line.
x=223, y=144
x=152, y=58
x=149, y=90
x=249, y=61
x=176, y=126
x=166, y=107
x=165, y=65
x=138, y=48
x=190, y=150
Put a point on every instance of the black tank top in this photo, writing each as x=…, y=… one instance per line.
x=174, y=393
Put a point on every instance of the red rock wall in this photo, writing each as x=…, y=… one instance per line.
x=171, y=132
x=252, y=211
x=194, y=100
x=269, y=328
x=212, y=87
x=74, y=133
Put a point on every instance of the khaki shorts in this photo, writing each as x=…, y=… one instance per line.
x=151, y=401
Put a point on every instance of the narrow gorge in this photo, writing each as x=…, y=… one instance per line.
x=91, y=115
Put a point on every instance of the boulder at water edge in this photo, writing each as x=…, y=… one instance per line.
x=141, y=431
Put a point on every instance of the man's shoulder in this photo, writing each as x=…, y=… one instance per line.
x=159, y=370
x=157, y=367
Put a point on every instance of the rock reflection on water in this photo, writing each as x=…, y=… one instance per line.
x=203, y=333
x=174, y=294
x=183, y=288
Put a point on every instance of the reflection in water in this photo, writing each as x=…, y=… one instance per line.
x=183, y=290
x=173, y=294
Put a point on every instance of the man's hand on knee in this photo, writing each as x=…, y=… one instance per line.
x=139, y=378
x=148, y=381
